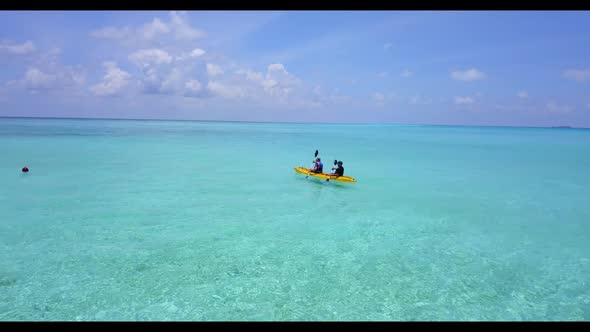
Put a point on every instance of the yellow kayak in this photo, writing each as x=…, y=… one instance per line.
x=324, y=176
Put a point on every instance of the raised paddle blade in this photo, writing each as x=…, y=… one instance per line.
x=316, y=153
x=335, y=162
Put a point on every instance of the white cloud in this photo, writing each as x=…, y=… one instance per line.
x=17, y=49
x=406, y=73
x=73, y=76
x=152, y=31
x=173, y=83
x=523, y=94
x=468, y=75
x=236, y=86
x=278, y=81
x=276, y=85
x=147, y=57
x=193, y=87
x=556, y=108
x=277, y=67
x=464, y=100
x=197, y=52
x=46, y=73
x=182, y=30
x=148, y=31
x=214, y=70
x=188, y=77
x=577, y=75
x=319, y=97
x=176, y=81
x=36, y=79
x=224, y=90
x=162, y=75
x=113, y=82
x=56, y=78
x=387, y=46
x=48, y=59
x=251, y=75
x=418, y=100
x=152, y=82
x=268, y=84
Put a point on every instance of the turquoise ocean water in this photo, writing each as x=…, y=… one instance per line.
x=165, y=220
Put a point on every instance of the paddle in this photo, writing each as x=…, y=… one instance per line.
x=314, y=156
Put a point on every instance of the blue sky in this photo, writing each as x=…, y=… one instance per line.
x=408, y=67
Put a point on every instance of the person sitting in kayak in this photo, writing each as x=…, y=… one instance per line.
x=338, y=171
x=318, y=167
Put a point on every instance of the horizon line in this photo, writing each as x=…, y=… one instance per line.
x=279, y=122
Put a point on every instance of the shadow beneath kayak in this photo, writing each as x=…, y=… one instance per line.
x=320, y=182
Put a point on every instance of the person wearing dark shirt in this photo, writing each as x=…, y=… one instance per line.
x=338, y=171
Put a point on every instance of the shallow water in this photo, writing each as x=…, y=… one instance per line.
x=170, y=220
